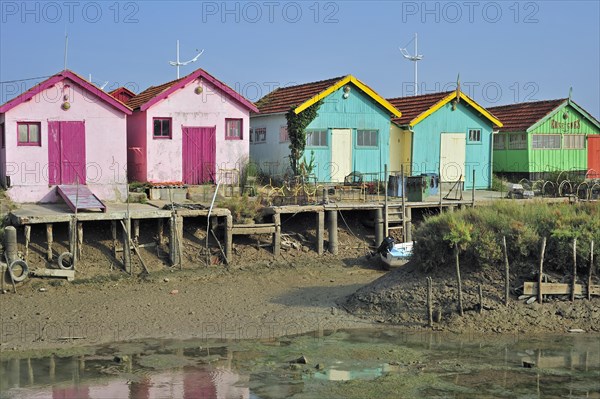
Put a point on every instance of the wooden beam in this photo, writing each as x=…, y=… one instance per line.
x=49, y=239
x=27, y=240
x=531, y=288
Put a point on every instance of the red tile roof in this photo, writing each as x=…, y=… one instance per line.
x=153, y=94
x=519, y=117
x=283, y=98
x=413, y=106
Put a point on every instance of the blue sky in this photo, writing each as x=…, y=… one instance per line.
x=505, y=51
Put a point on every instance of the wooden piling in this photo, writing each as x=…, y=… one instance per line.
x=277, y=234
x=574, y=280
x=73, y=238
x=591, y=271
x=458, y=280
x=408, y=223
x=136, y=231
x=541, y=270
x=506, y=273
x=160, y=231
x=480, y=298
x=79, y=240
x=113, y=232
x=179, y=231
x=333, y=231
x=320, y=232
x=228, y=237
x=27, y=240
x=49, y=240
x=173, y=246
x=429, y=302
x=378, y=226
x=127, y=247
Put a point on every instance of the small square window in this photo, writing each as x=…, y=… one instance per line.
x=162, y=128
x=475, y=135
x=233, y=129
x=316, y=138
x=366, y=138
x=283, y=134
x=28, y=133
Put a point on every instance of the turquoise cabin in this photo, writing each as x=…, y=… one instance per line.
x=447, y=134
x=350, y=133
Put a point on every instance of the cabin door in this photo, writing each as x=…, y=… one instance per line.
x=594, y=156
x=199, y=154
x=452, y=157
x=66, y=152
x=341, y=154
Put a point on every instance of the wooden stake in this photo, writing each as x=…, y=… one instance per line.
x=589, y=284
x=27, y=239
x=458, y=279
x=480, y=299
x=277, y=234
x=50, y=239
x=429, y=302
x=541, y=270
x=126, y=247
x=574, y=281
x=113, y=231
x=506, y=273
x=135, y=248
x=228, y=237
x=320, y=231
x=79, y=240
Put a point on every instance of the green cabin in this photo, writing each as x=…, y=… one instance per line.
x=543, y=137
x=444, y=133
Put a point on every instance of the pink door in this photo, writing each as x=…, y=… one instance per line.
x=66, y=152
x=199, y=154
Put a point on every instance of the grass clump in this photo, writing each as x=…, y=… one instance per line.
x=243, y=209
x=480, y=231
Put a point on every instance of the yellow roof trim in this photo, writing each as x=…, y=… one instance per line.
x=349, y=79
x=449, y=98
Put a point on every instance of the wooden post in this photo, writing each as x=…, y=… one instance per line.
x=378, y=226
x=506, y=273
x=79, y=240
x=459, y=281
x=277, y=234
x=136, y=231
x=320, y=232
x=589, y=284
x=161, y=231
x=473, y=190
x=541, y=271
x=73, y=238
x=126, y=247
x=333, y=231
x=173, y=246
x=385, y=204
x=228, y=237
x=574, y=281
x=27, y=239
x=325, y=196
x=179, y=221
x=480, y=299
x=113, y=232
x=49, y=239
x=404, y=235
x=408, y=224
x=429, y=302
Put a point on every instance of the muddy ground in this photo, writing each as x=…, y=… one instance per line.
x=257, y=296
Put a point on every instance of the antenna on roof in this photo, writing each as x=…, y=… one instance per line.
x=415, y=58
x=66, y=47
x=182, y=63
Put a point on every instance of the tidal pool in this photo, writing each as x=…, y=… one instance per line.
x=383, y=363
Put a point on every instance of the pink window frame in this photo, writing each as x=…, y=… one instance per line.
x=29, y=143
x=170, y=136
x=241, y=137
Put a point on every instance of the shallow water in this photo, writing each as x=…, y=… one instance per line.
x=341, y=364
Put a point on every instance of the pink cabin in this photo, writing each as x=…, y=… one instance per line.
x=192, y=130
x=63, y=131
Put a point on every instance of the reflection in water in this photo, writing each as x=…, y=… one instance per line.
x=461, y=365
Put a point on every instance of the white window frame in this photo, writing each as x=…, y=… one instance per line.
x=360, y=142
x=543, y=141
x=574, y=141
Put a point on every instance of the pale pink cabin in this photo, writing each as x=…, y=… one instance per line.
x=63, y=131
x=190, y=130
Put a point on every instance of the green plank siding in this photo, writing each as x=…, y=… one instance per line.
x=427, y=141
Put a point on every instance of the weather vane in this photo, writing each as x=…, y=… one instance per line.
x=182, y=63
x=415, y=58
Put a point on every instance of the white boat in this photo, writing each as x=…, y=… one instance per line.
x=398, y=255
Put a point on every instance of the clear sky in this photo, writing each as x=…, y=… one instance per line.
x=504, y=51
